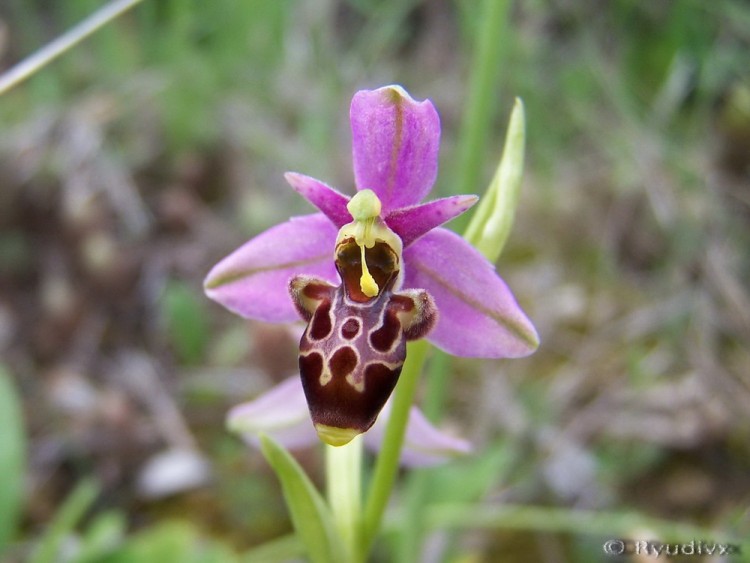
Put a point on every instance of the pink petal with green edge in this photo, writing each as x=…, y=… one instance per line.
x=281, y=413
x=479, y=316
x=424, y=445
x=395, y=142
x=410, y=223
x=322, y=196
x=253, y=281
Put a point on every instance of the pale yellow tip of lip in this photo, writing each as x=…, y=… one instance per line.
x=336, y=436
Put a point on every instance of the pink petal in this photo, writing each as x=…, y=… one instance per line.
x=395, y=143
x=281, y=413
x=410, y=223
x=325, y=198
x=424, y=445
x=479, y=316
x=253, y=281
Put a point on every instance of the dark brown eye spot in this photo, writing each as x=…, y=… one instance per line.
x=401, y=303
x=383, y=338
x=350, y=328
x=320, y=325
x=382, y=262
x=311, y=366
x=343, y=361
x=317, y=291
x=416, y=311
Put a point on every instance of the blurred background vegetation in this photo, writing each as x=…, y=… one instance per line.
x=136, y=161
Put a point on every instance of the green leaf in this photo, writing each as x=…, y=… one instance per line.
x=493, y=219
x=64, y=521
x=12, y=458
x=311, y=518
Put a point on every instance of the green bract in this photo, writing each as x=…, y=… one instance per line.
x=493, y=219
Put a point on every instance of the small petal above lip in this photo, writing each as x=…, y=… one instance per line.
x=410, y=223
x=395, y=142
x=329, y=201
x=253, y=280
x=479, y=316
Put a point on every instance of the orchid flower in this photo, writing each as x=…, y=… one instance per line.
x=371, y=271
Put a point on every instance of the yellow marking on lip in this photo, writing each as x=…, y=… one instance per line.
x=367, y=282
x=325, y=377
x=359, y=386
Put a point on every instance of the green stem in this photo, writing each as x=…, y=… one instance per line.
x=344, y=485
x=386, y=466
x=409, y=542
x=437, y=386
x=65, y=42
x=485, y=71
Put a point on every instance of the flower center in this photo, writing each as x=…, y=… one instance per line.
x=366, y=231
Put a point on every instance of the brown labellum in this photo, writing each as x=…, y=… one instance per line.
x=354, y=347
